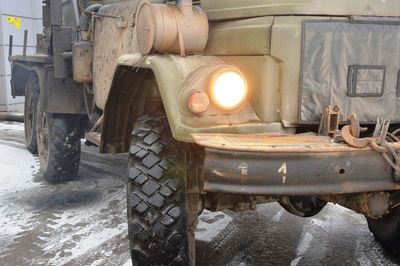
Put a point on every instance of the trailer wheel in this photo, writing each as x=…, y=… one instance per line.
x=59, y=145
x=161, y=225
x=386, y=230
x=30, y=109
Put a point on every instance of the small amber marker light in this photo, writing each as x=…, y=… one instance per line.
x=198, y=102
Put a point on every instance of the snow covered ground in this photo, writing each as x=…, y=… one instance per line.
x=84, y=222
x=42, y=224
x=78, y=223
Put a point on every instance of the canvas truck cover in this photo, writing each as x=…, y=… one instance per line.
x=354, y=64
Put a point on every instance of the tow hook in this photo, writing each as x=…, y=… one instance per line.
x=382, y=141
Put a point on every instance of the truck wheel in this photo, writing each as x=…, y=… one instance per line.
x=59, y=145
x=161, y=231
x=387, y=230
x=30, y=108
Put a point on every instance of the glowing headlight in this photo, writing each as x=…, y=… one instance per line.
x=228, y=89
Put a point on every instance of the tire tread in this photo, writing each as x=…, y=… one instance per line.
x=153, y=231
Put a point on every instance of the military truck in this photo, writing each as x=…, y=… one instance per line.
x=221, y=104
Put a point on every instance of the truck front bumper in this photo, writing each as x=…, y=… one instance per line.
x=290, y=165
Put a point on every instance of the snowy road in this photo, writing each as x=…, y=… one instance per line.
x=83, y=222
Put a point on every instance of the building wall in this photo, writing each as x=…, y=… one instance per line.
x=29, y=13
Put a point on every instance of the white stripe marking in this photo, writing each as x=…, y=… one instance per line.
x=278, y=216
x=303, y=246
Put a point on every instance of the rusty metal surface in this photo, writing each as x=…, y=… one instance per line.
x=296, y=173
x=383, y=142
x=329, y=124
x=378, y=146
x=348, y=137
x=355, y=128
x=82, y=61
x=374, y=205
x=272, y=143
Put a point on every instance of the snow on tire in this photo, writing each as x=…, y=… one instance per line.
x=59, y=145
x=30, y=109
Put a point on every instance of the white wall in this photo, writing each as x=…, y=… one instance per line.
x=30, y=14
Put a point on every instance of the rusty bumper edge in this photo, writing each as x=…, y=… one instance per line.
x=296, y=173
x=269, y=143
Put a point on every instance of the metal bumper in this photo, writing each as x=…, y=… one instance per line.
x=290, y=165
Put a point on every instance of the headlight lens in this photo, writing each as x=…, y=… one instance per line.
x=228, y=89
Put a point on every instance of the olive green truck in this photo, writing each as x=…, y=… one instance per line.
x=221, y=104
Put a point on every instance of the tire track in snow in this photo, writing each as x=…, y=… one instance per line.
x=80, y=232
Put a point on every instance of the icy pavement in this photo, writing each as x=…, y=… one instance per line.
x=84, y=222
x=78, y=223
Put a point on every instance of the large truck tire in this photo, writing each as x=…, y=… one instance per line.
x=30, y=112
x=59, y=145
x=161, y=230
x=386, y=230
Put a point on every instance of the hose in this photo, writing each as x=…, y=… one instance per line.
x=86, y=15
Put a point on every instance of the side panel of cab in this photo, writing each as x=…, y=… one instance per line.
x=237, y=9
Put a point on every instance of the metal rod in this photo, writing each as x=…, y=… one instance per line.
x=66, y=55
x=99, y=15
x=25, y=41
x=10, y=47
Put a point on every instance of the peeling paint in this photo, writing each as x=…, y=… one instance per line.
x=283, y=171
x=244, y=169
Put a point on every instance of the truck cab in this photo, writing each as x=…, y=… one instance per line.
x=221, y=105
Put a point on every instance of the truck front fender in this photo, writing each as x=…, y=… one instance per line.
x=171, y=75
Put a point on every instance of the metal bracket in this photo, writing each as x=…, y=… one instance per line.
x=94, y=134
x=329, y=125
